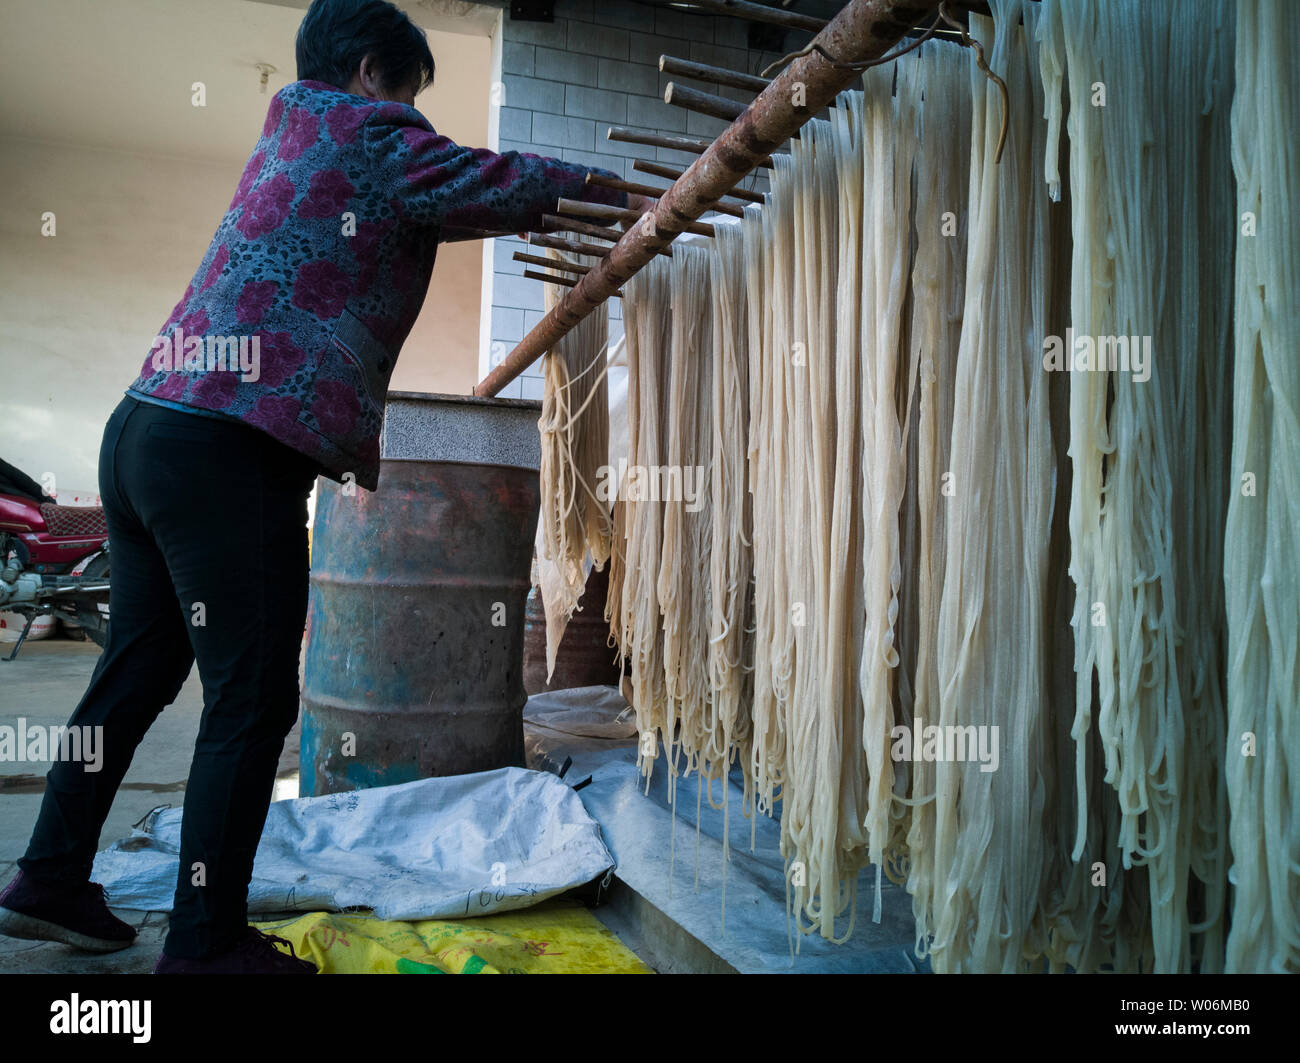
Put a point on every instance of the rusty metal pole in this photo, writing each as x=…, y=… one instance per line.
x=864, y=29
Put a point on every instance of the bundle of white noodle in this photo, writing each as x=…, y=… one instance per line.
x=637, y=630
x=938, y=284
x=1147, y=440
x=1098, y=908
x=574, y=426
x=989, y=849
x=730, y=557
x=683, y=585
x=1262, y=552
x=889, y=142
x=765, y=461
x=822, y=865
x=1196, y=320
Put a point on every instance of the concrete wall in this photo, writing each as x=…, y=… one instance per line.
x=564, y=83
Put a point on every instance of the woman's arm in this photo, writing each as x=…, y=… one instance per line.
x=470, y=192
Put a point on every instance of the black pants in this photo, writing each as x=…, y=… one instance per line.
x=208, y=562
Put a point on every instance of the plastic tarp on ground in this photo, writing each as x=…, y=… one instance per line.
x=433, y=849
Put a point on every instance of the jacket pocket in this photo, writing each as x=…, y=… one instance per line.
x=350, y=388
x=357, y=345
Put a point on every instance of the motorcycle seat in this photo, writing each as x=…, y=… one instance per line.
x=74, y=521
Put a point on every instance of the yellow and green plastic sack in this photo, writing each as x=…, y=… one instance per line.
x=556, y=937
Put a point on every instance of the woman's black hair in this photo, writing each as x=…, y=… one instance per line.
x=336, y=35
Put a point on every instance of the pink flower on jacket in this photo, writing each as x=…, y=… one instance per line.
x=172, y=388
x=420, y=139
x=277, y=414
x=498, y=173
x=365, y=242
x=322, y=288
x=328, y=195
x=266, y=207
x=335, y=408
x=215, y=391
x=300, y=133
x=254, y=301
x=195, y=324
x=343, y=121
x=248, y=178
x=214, y=270
x=279, y=357
x=392, y=112
x=273, y=115
x=428, y=156
x=557, y=173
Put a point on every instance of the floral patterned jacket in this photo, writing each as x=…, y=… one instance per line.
x=322, y=262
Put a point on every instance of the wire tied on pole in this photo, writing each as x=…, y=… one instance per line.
x=969, y=42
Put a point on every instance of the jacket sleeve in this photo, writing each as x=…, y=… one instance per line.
x=470, y=192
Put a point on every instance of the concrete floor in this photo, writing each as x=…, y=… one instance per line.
x=44, y=685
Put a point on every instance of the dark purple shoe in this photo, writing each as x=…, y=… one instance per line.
x=255, y=953
x=78, y=916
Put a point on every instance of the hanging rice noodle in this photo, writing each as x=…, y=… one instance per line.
x=683, y=584
x=731, y=647
x=989, y=849
x=822, y=838
x=1147, y=443
x=638, y=631
x=889, y=141
x=574, y=523
x=947, y=606
x=1262, y=552
x=765, y=457
x=938, y=284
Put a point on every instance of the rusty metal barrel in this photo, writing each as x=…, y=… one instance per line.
x=584, y=657
x=415, y=622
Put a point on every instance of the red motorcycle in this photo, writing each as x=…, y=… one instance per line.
x=55, y=558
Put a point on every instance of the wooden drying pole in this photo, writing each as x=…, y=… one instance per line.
x=658, y=169
x=791, y=20
x=863, y=30
x=734, y=79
